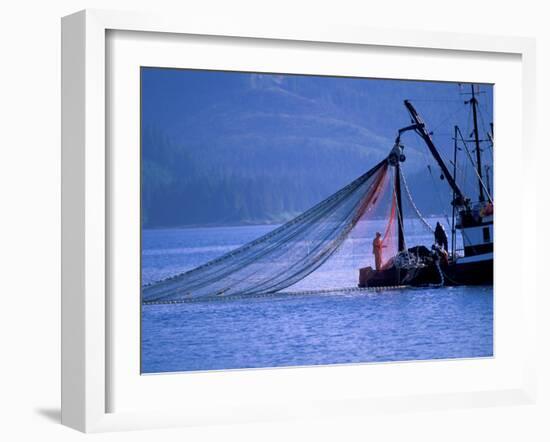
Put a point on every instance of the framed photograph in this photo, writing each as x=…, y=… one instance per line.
x=268, y=222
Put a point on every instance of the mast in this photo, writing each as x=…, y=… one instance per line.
x=400, y=232
x=453, y=227
x=473, y=102
x=420, y=128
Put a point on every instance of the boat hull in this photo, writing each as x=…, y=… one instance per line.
x=454, y=273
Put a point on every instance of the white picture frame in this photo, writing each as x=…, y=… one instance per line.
x=86, y=207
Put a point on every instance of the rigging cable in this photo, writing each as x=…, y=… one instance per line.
x=429, y=160
x=415, y=208
x=474, y=166
x=399, y=209
x=490, y=141
x=436, y=190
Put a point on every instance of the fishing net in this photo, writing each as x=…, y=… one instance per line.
x=287, y=255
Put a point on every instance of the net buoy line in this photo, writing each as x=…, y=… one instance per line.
x=274, y=295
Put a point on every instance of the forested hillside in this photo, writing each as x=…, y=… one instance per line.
x=264, y=148
x=211, y=186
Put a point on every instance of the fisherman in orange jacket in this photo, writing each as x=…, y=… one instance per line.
x=377, y=247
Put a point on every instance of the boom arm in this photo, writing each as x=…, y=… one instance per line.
x=420, y=128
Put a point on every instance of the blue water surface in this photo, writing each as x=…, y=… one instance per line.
x=297, y=330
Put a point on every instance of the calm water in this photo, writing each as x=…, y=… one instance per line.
x=398, y=325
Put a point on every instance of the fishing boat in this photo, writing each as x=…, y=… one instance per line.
x=419, y=265
x=288, y=254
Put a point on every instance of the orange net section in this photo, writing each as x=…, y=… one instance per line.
x=380, y=216
x=389, y=240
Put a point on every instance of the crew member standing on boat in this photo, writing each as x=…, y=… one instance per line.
x=377, y=250
x=441, y=237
